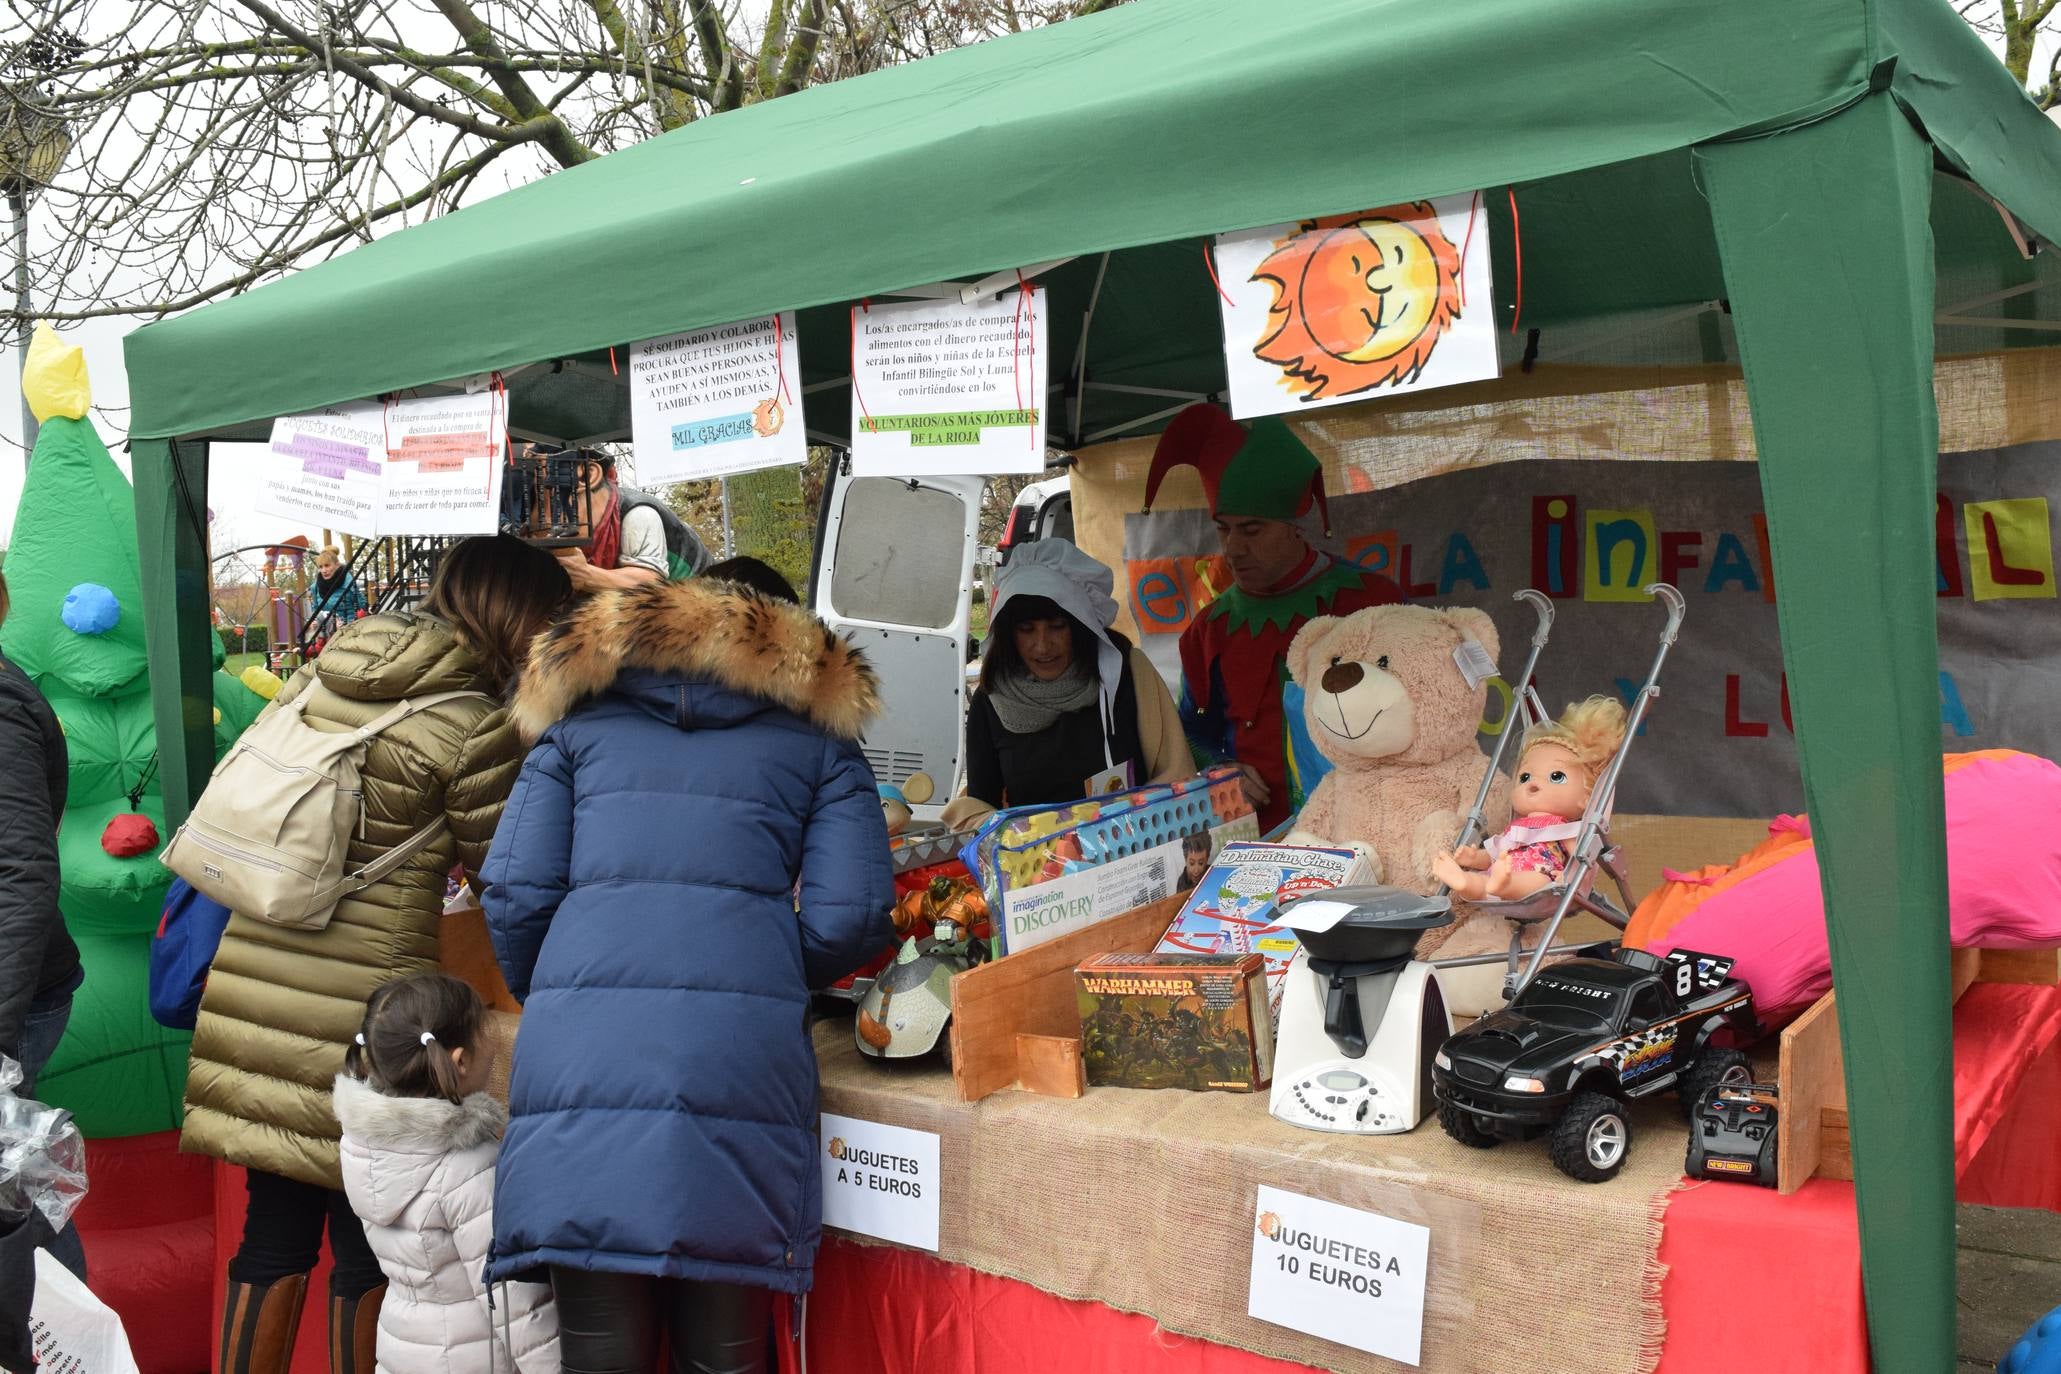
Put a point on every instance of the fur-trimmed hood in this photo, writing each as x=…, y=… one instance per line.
x=711, y=632
x=393, y=1145
x=422, y=1125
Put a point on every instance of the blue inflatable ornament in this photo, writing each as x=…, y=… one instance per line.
x=91, y=609
x=2038, y=1351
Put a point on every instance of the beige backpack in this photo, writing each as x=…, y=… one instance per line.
x=269, y=836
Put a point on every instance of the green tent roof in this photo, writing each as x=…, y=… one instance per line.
x=1134, y=133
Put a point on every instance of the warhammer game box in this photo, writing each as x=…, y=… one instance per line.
x=1197, y=1021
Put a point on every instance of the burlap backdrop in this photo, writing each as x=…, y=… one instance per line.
x=1682, y=414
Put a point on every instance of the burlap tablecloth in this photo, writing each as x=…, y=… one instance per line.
x=1145, y=1201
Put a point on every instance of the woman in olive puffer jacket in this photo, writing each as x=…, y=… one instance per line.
x=281, y=1005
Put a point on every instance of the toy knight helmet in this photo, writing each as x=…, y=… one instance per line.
x=1264, y=472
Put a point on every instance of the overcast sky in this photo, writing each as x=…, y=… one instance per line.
x=233, y=474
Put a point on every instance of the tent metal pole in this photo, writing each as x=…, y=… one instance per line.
x=995, y=283
x=1990, y=322
x=1080, y=350
x=1977, y=302
x=1189, y=396
x=1642, y=327
x=1166, y=414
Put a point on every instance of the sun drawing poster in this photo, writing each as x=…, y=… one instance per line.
x=1354, y=307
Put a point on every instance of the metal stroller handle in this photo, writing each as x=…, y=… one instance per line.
x=1603, y=796
x=1543, y=609
x=1477, y=820
x=1669, y=596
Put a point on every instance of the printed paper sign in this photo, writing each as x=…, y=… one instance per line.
x=880, y=1180
x=1339, y=1273
x=326, y=470
x=1351, y=307
x=939, y=387
x=444, y=463
x=717, y=401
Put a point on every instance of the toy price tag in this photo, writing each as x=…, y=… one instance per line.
x=880, y=1180
x=1339, y=1273
x=1695, y=972
x=1474, y=663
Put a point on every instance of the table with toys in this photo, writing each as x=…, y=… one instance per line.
x=1109, y=1228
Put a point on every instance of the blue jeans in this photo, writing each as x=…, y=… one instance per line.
x=40, y=1035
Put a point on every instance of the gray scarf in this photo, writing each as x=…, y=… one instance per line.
x=1026, y=705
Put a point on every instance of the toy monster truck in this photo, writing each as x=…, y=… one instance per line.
x=1583, y=1038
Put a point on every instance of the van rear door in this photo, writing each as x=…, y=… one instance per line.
x=894, y=572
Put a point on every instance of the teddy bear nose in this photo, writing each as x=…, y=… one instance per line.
x=1342, y=677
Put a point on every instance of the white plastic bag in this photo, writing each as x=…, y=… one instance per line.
x=42, y=1156
x=75, y=1332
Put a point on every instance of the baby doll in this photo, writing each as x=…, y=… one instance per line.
x=1555, y=772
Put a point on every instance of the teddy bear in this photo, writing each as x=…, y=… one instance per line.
x=1385, y=701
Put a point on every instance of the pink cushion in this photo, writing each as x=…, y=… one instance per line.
x=2003, y=881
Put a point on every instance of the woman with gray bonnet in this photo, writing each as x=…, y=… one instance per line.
x=1066, y=706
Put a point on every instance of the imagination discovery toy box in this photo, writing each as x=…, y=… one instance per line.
x=1047, y=871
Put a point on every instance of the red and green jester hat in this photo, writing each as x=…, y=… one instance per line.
x=1234, y=652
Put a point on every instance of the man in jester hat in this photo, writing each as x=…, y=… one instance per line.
x=1259, y=483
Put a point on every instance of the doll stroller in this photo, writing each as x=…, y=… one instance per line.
x=1574, y=890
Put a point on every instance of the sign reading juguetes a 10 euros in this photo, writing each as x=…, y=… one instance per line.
x=1354, y=1277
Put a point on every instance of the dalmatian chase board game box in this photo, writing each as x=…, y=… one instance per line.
x=1233, y=907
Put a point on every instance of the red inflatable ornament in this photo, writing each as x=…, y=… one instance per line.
x=129, y=835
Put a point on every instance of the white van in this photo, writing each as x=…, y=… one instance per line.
x=1043, y=510
x=894, y=571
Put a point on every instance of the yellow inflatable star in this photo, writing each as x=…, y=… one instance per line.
x=54, y=378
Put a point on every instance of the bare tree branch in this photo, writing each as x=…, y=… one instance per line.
x=214, y=144
x=365, y=76
x=478, y=38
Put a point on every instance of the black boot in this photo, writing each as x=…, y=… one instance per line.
x=258, y=1325
x=354, y=1332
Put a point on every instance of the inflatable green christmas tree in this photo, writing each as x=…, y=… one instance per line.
x=76, y=628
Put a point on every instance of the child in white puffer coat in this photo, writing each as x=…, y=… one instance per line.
x=420, y=1139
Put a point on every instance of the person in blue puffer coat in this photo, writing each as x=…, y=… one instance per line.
x=694, y=843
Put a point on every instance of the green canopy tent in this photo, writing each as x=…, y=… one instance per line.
x=1836, y=172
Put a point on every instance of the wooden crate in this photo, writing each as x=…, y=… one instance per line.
x=1811, y=1135
x=1015, y=1021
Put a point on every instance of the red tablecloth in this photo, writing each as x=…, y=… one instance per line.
x=1735, y=1254
x=1739, y=1258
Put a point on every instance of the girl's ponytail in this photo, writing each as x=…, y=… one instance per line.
x=358, y=1058
x=443, y=1072
x=411, y=1027
x=355, y=1057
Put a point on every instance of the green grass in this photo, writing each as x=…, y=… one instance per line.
x=233, y=664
